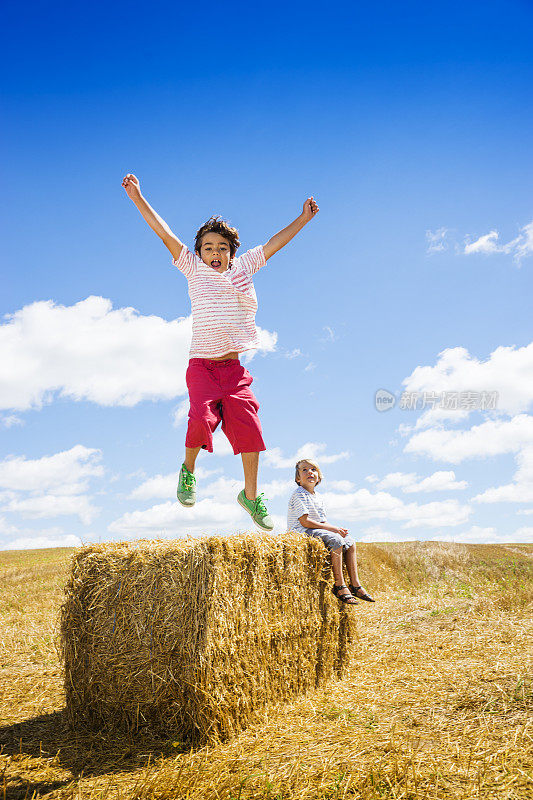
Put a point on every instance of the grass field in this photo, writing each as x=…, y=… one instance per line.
x=438, y=703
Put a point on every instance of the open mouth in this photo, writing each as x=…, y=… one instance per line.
x=216, y=263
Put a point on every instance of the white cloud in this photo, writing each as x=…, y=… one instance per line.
x=443, y=512
x=362, y=504
x=267, y=344
x=509, y=493
x=216, y=510
x=225, y=490
x=10, y=420
x=221, y=445
x=375, y=533
x=158, y=486
x=435, y=417
x=340, y=486
x=50, y=505
x=66, y=473
x=267, y=340
x=171, y=519
x=485, y=244
x=6, y=528
x=45, y=539
x=329, y=335
x=180, y=413
x=277, y=488
x=437, y=241
x=312, y=450
x=491, y=438
x=442, y=481
x=90, y=351
x=165, y=485
x=410, y=482
x=508, y=371
x=396, y=479
x=524, y=243
x=52, y=485
x=522, y=535
x=521, y=489
x=489, y=244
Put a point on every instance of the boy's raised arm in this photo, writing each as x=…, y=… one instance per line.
x=158, y=225
x=281, y=238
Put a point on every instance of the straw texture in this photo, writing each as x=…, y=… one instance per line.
x=198, y=635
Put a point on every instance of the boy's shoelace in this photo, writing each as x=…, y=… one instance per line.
x=260, y=504
x=188, y=479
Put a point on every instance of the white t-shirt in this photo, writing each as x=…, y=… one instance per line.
x=223, y=303
x=303, y=502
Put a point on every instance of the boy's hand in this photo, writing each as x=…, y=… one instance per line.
x=341, y=531
x=310, y=209
x=132, y=186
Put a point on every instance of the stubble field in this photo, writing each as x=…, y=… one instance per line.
x=437, y=704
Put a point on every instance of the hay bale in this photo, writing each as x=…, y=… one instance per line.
x=198, y=635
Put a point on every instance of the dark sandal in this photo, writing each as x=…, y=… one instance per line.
x=344, y=598
x=358, y=591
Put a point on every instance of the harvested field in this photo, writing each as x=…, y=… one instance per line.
x=436, y=704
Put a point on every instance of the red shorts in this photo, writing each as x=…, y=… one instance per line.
x=219, y=391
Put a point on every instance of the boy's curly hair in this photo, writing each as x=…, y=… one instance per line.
x=223, y=228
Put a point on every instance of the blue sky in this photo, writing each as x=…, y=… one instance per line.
x=411, y=124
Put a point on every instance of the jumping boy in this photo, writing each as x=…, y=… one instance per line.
x=224, y=304
x=307, y=515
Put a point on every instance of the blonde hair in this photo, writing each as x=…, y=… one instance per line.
x=313, y=464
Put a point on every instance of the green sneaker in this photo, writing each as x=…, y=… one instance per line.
x=257, y=510
x=186, y=487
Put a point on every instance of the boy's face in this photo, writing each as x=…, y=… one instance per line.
x=215, y=251
x=307, y=476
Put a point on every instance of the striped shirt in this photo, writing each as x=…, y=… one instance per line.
x=223, y=303
x=303, y=502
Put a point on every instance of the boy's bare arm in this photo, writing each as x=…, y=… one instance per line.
x=323, y=526
x=281, y=238
x=158, y=225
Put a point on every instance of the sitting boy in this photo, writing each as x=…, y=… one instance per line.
x=224, y=304
x=307, y=514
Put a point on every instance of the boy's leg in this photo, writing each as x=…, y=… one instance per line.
x=204, y=410
x=204, y=416
x=248, y=498
x=355, y=584
x=191, y=454
x=343, y=594
x=250, y=463
x=351, y=565
x=336, y=566
x=335, y=544
x=186, y=492
x=240, y=421
x=241, y=425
